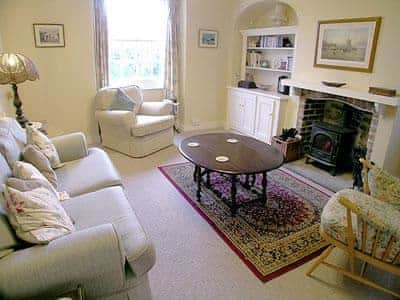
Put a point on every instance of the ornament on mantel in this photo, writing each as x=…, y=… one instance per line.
x=279, y=15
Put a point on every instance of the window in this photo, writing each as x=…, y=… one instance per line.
x=137, y=34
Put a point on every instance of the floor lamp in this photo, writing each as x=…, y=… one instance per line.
x=14, y=69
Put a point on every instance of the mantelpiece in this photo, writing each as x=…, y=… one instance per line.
x=343, y=91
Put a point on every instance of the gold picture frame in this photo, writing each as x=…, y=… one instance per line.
x=347, y=44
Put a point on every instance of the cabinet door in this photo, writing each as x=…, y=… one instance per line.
x=249, y=113
x=235, y=110
x=264, y=119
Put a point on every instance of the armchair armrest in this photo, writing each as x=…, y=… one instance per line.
x=118, y=119
x=90, y=256
x=71, y=146
x=376, y=213
x=158, y=108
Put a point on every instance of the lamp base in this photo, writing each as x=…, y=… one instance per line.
x=18, y=108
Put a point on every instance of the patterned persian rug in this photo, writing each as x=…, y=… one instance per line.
x=270, y=240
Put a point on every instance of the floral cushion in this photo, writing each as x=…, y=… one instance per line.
x=376, y=213
x=36, y=215
x=384, y=186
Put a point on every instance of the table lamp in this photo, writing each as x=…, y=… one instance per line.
x=14, y=69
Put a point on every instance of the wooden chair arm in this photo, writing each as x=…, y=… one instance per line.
x=367, y=165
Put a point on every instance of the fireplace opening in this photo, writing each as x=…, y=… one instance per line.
x=333, y=128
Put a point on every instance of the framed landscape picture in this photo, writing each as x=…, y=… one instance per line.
x=208, y=38
x=347, y=44
x=48, y=35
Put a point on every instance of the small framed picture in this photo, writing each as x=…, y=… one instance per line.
x=208, y=38
x=49, y=35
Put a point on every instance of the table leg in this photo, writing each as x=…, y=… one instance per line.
x=233, y=196
x=198, y=177
x=247, y=182
x=264, y=188
x=195, y=173
x=253, y=179
x=208, y=184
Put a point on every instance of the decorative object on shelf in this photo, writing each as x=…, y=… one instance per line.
x=14, y=69
x=208, y=38
x=382, y=91
x=347, y=44
x=254, y=59
x=49, y=35
x=264, y=63
x=283, y=89
x=286, y=43
x=279, y=16
x=333, y=84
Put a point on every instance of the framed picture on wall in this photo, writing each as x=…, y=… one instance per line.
x=208, y=38
x=49, y=35
x=347, y=44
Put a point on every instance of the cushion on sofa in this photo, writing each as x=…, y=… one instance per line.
x=34, y=156
x=146, y=125
x=93, y=172
x=37, y=138
x=12, y=140
x=121, y=101
x=384, y=186
x=36, y=215
x=110, y=205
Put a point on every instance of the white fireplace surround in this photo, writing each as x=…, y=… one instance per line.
x=386, y=148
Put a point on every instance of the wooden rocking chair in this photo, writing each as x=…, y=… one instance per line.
x=366, y=227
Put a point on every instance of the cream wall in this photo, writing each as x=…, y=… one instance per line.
x=5, y=103
x=205, y=79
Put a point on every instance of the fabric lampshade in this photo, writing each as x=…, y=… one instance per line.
x=16, y=68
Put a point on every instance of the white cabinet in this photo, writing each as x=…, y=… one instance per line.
x=255, y=113
x=264, y=119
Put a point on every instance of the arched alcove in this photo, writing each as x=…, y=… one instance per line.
x=255, y=14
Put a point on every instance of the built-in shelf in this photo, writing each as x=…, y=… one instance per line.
x=260, y=92
x=343, y=91
x=268, y=69
x=270, y=48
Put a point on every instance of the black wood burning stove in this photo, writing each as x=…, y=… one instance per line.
x=331, y=146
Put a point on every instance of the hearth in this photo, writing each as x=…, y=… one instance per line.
x=332, y=146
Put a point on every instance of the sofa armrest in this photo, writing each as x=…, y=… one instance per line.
x=158, y=108
x=118, y=119
x=91, y=257
x=378, y=214
x=71, y=146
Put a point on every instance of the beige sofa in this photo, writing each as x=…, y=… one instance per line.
x=135, y=135
x=109, y=254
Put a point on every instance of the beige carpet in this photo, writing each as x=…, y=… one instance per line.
x=194, y=263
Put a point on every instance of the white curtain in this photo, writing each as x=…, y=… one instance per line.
x=171, y=54
x=101, y=43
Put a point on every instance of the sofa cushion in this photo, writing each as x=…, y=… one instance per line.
x=384, y=186
x=36, y=215
x=34, y=156
x=146, y=125
x=12, y=140
x=110, y=205
x=121, y=101
x=90, y=173
x=37, y=138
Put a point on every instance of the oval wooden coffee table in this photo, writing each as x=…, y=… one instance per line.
x=247, y=156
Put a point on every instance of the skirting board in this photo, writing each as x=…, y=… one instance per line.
x=204, y=126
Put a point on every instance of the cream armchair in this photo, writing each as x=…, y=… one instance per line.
x=366, y=226
x=150, y=130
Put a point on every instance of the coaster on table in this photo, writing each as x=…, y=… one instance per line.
x=232, y=141
x=193, y=144
x=222, y=158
